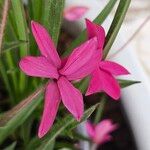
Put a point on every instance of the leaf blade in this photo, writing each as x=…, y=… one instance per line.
x=126, y=83
x=116, y=25
x=10, y=120
x=21, y=24
x=53, y=9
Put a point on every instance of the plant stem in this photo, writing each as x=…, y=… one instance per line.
x=21, y=30
x=116, y=25
x=3, y=22
x=2, y=29
x=100, y=110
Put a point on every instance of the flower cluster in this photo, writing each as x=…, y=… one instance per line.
x=85, y=60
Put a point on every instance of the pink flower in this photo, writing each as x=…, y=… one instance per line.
x=49, y=65
x=102, y=78
x=75, y=13
x=100, y=133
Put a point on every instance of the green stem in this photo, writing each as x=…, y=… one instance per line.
x=6, y=81
x=53, y=9
x=100, y=110
x=116, y=25
x=11, y=66
x=19, y=16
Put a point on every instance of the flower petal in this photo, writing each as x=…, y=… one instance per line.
x=96, y=30
x=45, y=43
x=38, y=67
x=103, y=130
x=90, y=129
x=52, y=101
x=71, y=97
x=105, y=126
x=74, y=13
x=63, y=61
x=95, y=84
x=87, y=69
x=78, y=64
x=113, y=68
x=104, y=81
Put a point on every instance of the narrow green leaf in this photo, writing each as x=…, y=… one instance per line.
x=33, y=144
x=1, y=2
x=65, y=145
x=36, y=9
x=68, y=122
x=126, y=83
x=53, y=9
x=10, y=57
x=6, y=80
x=79, y=136
x=11, y=146
x=99, y=20
x=116, y=24
x=12, y=45
x=100, y=109
x=12, y=119
x=20, y=20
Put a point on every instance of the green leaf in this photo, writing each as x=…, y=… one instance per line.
x=12, y=119
x=126, y=83
x=5, y=78
x=35, y=9
x=21, y=27
x=52, y=17
x=99, y=20
x=116, y=24
x=11, y=146
x=78, y=136
x=68, y=122
x=100, y=109
x=12, y=45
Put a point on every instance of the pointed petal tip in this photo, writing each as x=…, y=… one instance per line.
x=87, y=20
x=40, y=134
x=78, y=118
x=90, y=91
x=33, y=23
x=116, y=97
x=87, y=93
